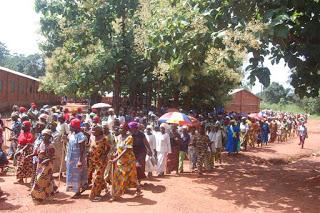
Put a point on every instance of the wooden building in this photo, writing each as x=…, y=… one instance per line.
x=20, y=89
x=243, y=101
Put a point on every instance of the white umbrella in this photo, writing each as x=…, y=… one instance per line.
x=100, y=105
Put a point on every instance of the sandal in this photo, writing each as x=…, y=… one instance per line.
x=76, y=195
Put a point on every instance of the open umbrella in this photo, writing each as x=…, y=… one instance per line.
x=100, y=105
x=175, y=118
x=255, y=116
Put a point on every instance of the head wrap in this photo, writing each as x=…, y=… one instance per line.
x=14, y=114
x=43, y=116
x=33, y=105
x=111, y=110
x=22, y=110
x=92, y=114
x=149, y=127
x=75, y=123
x=133, y=125
x=46, y=132
x=27, y=124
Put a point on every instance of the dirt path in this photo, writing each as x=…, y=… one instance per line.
x=249, y=182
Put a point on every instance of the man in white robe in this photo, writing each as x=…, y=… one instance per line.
x=163, y=147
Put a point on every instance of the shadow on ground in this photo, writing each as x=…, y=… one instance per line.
x=249, y=183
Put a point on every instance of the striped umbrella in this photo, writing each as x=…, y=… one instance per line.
x=175, y=118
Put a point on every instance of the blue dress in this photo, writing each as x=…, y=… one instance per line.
x=232, y=139
x=76, y=177
x=265, y=132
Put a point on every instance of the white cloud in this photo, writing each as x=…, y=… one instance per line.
x=19, y=26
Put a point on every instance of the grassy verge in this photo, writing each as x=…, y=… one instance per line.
x=291, y=107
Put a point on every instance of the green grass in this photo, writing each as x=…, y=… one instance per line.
x=291, y=107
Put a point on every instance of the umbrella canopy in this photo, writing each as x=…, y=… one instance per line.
x=256, y=116
x=100, y=105
x=175, y=118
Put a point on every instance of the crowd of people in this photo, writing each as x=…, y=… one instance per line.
x=99, y=151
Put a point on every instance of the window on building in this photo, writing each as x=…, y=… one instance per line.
x=1, y=85
x=12, y=86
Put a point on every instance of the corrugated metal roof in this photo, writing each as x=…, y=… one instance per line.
x=18, y=73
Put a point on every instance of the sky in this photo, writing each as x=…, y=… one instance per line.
x=20, y=31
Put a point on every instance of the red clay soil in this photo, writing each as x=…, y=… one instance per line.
x=252, y=181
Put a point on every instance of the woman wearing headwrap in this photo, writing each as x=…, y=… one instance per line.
x=125, y=172
x=201, y=141
x=39, y=138
x=98, y=153
x=76, y=161
x=141, y=147
x=44, y=186
x=25, y=142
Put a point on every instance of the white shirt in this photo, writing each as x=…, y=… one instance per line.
x=111, y=119
x=63, y=129
x=152, y=141
x=163, y=143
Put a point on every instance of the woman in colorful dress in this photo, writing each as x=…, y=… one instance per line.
x=76, y=160
x=273, y=131
x=125, y=172
x=44, y=187
x=173, y=157
x=25, y=145
x=98, y=154
x=201, y=141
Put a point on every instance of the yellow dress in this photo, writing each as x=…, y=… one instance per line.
x=125, y=172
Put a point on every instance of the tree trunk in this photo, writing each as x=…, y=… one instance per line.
x=117, y=90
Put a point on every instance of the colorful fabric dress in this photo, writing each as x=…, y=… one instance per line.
x=173, y=157
x=201, y=146
x=112, y=150
x=98, y=161
x=25, y=141
x=273, y=131
x=76, y=177
x=125, y=173
x=43, y=186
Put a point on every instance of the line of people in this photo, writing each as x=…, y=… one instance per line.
x=100, y=151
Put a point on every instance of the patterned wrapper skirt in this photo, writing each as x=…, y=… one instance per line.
x=173, y=160
x=25, y=166
x=43, y=186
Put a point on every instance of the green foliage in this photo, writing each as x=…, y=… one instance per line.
x=32, y=65
x=4, y=52
x=288, y=107
x=275, y=93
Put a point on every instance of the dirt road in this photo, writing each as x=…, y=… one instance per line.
x=277, y=178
